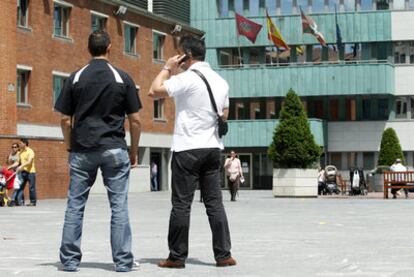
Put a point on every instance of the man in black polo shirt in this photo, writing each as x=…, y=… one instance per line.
x=93, y=104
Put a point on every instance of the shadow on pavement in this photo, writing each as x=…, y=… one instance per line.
x=155, y=261
x=104, y=266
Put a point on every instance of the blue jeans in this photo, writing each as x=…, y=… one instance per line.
x=115, y=167
x=154, y=183
x=19, y=195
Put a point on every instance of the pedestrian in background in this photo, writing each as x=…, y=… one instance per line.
x=27, y=174
x=234, y=173
x=196, y=148
x=93, y=104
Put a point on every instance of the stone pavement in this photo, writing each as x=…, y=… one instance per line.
x=271, y=237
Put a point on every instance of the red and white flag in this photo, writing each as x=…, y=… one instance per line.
x=247, y=28
x=309, y=27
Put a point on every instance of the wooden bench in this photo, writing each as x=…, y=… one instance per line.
x=397, y=180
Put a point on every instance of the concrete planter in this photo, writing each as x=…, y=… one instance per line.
x=295, y=182
x=379, y=182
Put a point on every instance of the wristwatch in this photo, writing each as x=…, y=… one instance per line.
x=167, y=68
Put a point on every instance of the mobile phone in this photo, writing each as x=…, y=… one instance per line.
x=185, y=58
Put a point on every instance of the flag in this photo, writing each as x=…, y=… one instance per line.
x=338, y=33
x=309, y=27
x=274, y=35
x=247, y=28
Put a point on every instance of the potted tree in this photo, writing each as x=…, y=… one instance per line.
x=294, y=152
x=390, y=150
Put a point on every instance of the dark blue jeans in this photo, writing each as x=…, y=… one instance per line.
x=115, y=167
x=26, y=177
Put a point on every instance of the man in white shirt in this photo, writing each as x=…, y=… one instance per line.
x=398, y=167
x=196, y=149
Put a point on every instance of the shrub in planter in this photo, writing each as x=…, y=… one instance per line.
x=390, y=149
x=293, y=144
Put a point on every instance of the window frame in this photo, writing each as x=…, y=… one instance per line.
x=65, y=9
x=19, y=15
x=58, y=74
x=160, y=111
x=99, y=16
x=22, y=70
x=134, y=47
x=161, y=44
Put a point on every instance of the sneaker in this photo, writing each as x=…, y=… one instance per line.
x=70, y=268
x=135, y=266
x=31, y=205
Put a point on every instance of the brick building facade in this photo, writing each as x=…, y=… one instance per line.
x=45, y=43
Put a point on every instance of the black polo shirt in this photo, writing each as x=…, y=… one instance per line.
x=98, y=96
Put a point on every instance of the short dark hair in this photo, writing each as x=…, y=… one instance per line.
x=98, y=43
x=195, y=46
x=25, y=141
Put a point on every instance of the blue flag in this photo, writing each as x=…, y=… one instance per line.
x=338, y=33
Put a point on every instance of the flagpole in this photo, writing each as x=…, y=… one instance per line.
x=238, y=44
x=336, y=31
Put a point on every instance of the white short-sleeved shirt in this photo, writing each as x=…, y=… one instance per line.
x=195, y=120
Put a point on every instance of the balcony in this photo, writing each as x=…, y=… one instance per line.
x=259, y=133
x=362, y=78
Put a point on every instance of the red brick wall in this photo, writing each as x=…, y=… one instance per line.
x=37, y=48
x=8, y=67
x=52, y=176
x=44, y=53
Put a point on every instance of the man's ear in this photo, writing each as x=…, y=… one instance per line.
x=109, y=48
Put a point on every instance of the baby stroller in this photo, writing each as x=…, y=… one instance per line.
x=4, y=183
x=358, y=184
x=331, y=186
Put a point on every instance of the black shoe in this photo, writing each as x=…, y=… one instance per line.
x=394, y=196
x=31, y=205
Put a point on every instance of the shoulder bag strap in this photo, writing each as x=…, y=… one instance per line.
x=213, y=103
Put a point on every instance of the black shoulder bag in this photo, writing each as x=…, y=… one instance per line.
x=222, y=125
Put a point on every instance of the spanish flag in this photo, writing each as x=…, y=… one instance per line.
x=274, y=35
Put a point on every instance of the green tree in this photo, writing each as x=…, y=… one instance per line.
x=293, y=144
x=390, y=148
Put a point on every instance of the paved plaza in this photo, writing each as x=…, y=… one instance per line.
x=270, y=236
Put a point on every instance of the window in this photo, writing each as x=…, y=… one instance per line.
x=254, y=56
x=317, y=54
x=254, y=7
x=61, y=20
x=352, y=52
x=238, y=6
x=58, y=81
x=369, y=160
x=270, y=109
x=366, y=109
x=285, y=7
x=333, y=109
x=318, y=6
x=22, y=13
x=98, y=21
x=336, y=159
x=398, y=4
x=351, y=159
x=366, y=5
x=349, y=5
x=223, y=8
x=411, y=4
x=401, y=107
x=158, y=45
x=130, y=37
x=303, y=4
x=383, y=4
x=350, y=109
x=271, y=6
x=411, y=51
x=382, y=109
x=277, y=56
x=159, y=108
x=22, y=84
x=333, y=4
x=228, y=56
x=400, y=52
x=412, y=107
